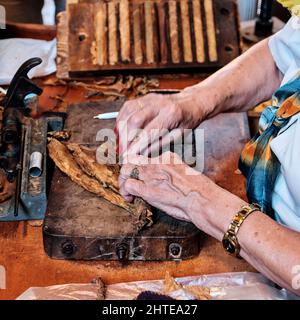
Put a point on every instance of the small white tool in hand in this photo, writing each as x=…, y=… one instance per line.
x=107, y=116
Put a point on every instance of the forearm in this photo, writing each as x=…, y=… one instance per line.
x=242, y=84
x=269, y=247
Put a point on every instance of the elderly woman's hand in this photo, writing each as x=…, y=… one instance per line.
x=158, y=112
x=181, y=192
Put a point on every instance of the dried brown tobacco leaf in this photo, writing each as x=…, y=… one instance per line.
x=199, y=292
x=111, y=87
x=65, y=161
x=62, y=135
x=54, y=82
x=106, y=153
x=87, y=162
x=93, y=94
x=57, y=98
x=142, y=86
x=2, y=96
x=101, y=294
x=170, y=284
x=7, y=188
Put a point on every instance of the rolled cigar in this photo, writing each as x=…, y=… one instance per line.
x=162, y=32
x=100, y=32
x=149, y=31
x=211, y=30
x=112, y=29
x=138, y=53
x=173, y=31
x=124, y=30
x=186, y=31
x=198, y=29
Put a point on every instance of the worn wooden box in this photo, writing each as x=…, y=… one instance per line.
x=97, y=36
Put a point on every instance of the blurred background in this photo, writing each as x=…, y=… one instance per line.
x=44, y=11
x=33, y=11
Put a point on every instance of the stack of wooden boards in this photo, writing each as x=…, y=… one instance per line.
x=97, y=35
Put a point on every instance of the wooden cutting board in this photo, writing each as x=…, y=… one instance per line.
x=80, y=225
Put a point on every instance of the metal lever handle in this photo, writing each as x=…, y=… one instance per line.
x=21, y=85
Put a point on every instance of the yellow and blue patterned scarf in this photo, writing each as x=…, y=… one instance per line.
x=258, y=163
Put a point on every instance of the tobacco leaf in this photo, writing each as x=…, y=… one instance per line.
x=7, y=188
x=87, y=162
x=102, y=289
x=170, y=284
x=199, y=292
x=111, y=87
x=62, y=135
x=82, y=168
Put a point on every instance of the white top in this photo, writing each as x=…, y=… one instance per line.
x=14, y=52
x=285, y=48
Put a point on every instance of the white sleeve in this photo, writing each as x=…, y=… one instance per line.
x=286, y=147
x=285, y=48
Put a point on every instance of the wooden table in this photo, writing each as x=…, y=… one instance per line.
x=26, y=264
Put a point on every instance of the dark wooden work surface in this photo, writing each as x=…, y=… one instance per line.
x=21, y=244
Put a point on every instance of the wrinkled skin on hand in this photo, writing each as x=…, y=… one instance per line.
x=155, y=180
x=175, y=189
x=155, y=111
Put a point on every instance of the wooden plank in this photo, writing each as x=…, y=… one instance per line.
x=62, y=60
x=81, y=36
x=198, y=30
x=211, y=30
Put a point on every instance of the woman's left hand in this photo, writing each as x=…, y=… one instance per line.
x=185, y=194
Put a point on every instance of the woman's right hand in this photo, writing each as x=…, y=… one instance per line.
x=155, y=112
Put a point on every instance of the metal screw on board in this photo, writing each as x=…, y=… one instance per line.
x=175, y=250
x=121, y=251
x=68, y=248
